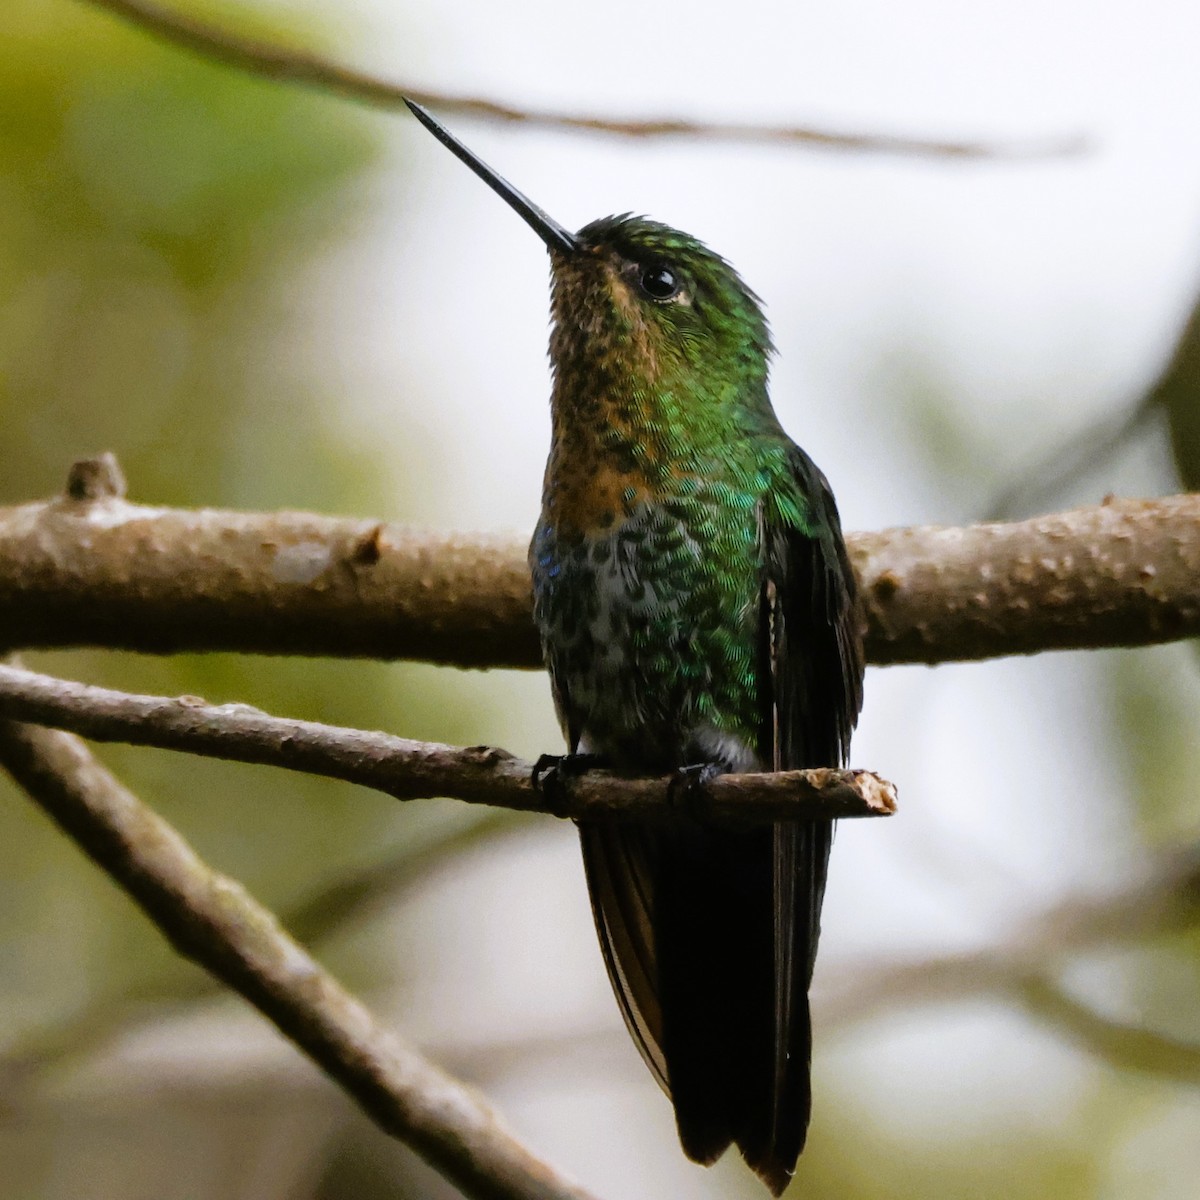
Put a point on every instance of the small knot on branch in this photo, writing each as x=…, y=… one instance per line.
x=487, y=756
x=99, y=478
x=367, y=549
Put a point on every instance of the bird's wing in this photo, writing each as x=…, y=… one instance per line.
x=810, y=693
x=709, y=934
x=620, y=860
x=811, y=658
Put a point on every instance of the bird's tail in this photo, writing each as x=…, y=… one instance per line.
x=709, y=937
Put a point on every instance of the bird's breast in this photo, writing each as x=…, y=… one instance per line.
x=648, y=626
x=613, y=454
x=590, y=496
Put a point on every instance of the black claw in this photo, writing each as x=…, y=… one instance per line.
x=551, y=773
x=565, y=766
x=686, y=788
x=545, y=764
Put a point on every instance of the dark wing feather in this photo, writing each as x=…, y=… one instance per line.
x=620, y=861
x=811, y=670
x=684, y=917
x=814, y=642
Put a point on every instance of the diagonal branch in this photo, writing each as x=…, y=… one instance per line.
x=1165, y=899
x=1025, y=967
x=1083, y=456
x=93, y=569
x=310, y=70
x=1127, y=1046
x=348, y=898
x=215, y=922
x=411, y=770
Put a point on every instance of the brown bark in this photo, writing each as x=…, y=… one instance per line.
x=410, y=770
x=1121, y=573
x=110, y=573
x=104, y=572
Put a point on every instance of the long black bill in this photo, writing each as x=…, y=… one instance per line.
x=548, y=229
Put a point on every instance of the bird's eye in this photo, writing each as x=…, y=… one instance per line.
x=659, y=283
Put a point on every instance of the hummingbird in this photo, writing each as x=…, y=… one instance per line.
x=697, y=613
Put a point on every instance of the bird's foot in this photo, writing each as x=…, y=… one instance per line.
x=566, y=766
x=552, y=772
x=685, y=791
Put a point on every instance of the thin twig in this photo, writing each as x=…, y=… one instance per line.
x=1166, y=898
x=1175, y=393
x=1126, y=1046
x=351, y=897
x=212, y=920
x=104, y=572
x=310, y=70
x=409, y=770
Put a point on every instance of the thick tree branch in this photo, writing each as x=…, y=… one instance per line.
x=1122, y=573
x=100, y=571
x=109, y=573
x=411, y=770
x=285, y=65
x=212, y=920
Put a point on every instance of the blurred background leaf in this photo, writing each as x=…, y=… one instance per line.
x=156, y=212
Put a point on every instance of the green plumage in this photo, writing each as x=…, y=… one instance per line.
x=697, y=609
x=671, y=399
x=700, y=613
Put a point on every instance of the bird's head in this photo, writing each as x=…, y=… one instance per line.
x=638, y=303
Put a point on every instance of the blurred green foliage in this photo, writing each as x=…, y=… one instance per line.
x=154, y=207
x=157, y=213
